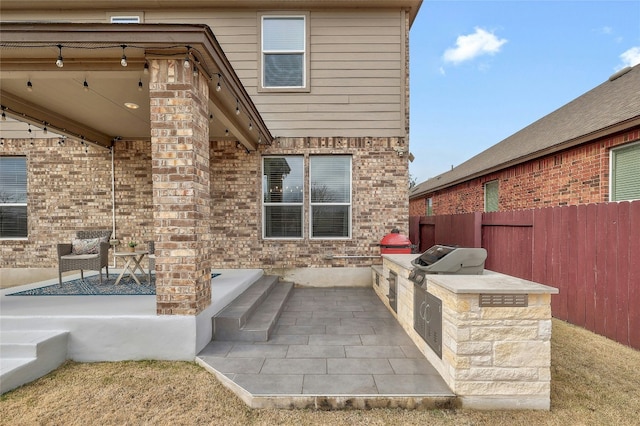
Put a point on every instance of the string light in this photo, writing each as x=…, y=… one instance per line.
x=123, y=60
x=186, y=63
x=188, y=59
x=226, y=132
x=59, y=61
x=44, y=129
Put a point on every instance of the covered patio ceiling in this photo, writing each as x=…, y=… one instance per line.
x=34, y=89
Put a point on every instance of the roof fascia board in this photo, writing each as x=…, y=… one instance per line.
x=124, y=5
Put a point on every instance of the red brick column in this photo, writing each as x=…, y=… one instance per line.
x=181, y=196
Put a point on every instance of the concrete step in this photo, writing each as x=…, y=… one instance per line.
x=262, y=322
x=29, y=355
x=234, y=316
x=253, y=314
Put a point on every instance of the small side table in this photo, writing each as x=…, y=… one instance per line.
x=133, y=259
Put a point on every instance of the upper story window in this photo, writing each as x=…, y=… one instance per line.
x=13, y=197
x=284, y=52
x=625, y=178
x=491, y=196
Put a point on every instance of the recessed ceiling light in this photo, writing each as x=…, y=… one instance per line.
x=131, y=105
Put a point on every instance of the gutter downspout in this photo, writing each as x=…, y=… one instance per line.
x=113, y=203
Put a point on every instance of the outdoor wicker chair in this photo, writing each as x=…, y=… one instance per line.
x=95, y=260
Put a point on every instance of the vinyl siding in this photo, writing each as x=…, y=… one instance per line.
x=357, y=83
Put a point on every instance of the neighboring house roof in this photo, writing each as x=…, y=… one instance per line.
x=610, y=107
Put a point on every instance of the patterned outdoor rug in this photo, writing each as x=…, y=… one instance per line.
x=91, y=286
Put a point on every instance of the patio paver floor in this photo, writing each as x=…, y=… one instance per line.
x=329, y=342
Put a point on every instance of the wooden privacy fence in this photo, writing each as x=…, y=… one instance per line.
x=591, y=253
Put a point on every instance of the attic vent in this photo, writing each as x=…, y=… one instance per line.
x=125, y=19
x=620, y=73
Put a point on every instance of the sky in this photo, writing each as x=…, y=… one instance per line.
x=482, y=70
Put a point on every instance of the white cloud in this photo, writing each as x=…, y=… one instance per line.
x=481, y=42
x=630, y=57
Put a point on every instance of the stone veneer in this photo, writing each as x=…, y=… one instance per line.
x=492, y=357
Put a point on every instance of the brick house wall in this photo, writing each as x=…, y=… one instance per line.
x=574, y=176
x=379, y=204
x=59, y=204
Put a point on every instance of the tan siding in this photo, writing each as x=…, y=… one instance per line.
x=356, y=69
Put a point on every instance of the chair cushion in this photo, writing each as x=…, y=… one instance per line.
x=88, y=246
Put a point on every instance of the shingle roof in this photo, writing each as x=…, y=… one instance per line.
x=596, y=113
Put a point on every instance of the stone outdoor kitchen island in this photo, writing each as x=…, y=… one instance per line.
x=494, y=345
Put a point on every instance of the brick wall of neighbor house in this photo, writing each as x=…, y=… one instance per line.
x=380, y=203
x=575, y=176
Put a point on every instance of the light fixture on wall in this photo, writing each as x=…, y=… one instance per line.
x=237, y=108
x=145, y=70
x=59, y=61
x=85, y=85
x=140, y=85
x=29, y=86
x=218, y=86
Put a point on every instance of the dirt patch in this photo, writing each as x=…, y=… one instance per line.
x=595, y=381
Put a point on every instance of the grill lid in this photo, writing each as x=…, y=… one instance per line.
x=441, y=259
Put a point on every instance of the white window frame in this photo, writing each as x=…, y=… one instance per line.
x=269, y=204
x=305, y=53
x=349, y=204
x=497, y=184
x=612, y=172
x=25, y=204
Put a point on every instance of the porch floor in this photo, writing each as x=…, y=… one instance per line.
x=331, y=348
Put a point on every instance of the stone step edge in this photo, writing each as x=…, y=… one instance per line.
x=236, y=313
x=260, y=325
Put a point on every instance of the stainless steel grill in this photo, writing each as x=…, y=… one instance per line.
x=441, y=259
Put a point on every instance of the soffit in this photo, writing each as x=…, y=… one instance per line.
x=92, y=53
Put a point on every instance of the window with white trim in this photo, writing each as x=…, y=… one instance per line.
x=284, y=52
x=284, y=203
x=625, y=173
x=13, y=197
x=491, y=196
x=330, y=185
x=283, y=196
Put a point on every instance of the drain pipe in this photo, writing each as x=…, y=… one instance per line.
x=113, y=202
